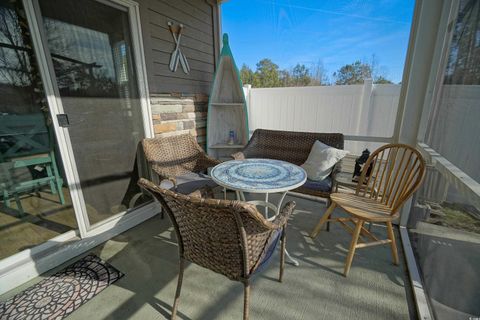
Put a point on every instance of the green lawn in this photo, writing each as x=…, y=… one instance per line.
x=458, y=217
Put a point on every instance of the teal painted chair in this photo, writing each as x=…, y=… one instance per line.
x=26, y=142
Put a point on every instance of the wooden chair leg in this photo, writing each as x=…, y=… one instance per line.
x=329, y=203
x=19, y=204
x=53, y=189
x=246, y=299
x=324, y=218
x=179, y=288
x=6, y=199
x=353, y=245
x=393, y=245
x=282, y=254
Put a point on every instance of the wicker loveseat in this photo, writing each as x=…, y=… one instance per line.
x=293, y=147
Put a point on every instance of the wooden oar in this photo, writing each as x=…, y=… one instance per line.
x=174, y=56
x=184, y=62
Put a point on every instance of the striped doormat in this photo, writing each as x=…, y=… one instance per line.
x=60, y=294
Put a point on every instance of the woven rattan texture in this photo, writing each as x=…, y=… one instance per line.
x=293, y=147
x=176, y=155
x=210, y=232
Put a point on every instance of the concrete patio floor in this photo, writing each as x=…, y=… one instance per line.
x=147, y=254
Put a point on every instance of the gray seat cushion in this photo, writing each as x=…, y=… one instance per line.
x=325, y=185
x=270, y=249
x=189, y=182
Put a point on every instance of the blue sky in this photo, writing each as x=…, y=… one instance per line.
x=335, y=32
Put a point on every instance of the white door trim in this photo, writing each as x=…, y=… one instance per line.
x=140, y=64
x=47, y=73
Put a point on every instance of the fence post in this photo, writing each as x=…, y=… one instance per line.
x=364, y=107
x=247, y=88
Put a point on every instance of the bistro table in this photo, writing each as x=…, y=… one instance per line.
x=262, y=176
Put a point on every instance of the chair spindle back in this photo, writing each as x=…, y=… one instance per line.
x=397, y=171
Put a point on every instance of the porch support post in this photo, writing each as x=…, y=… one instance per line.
x=420, y=68
x=364, y=108
x=419, y=65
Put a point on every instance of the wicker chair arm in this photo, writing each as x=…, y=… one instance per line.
x=282, y=218
x=238, y=156
x=162, y=178
x=172, y=180
x=208, y=161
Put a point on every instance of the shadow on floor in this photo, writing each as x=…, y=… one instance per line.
x=148, y=255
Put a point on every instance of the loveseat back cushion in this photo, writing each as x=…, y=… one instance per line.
x=321, y=161
x=290, y=146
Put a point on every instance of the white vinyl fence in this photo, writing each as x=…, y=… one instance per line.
x=354, y=110
x=370, y=110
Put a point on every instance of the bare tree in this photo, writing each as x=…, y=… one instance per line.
x=15, y=67
x=318, y=74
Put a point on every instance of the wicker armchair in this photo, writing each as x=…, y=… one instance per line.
x=293, y=147
x=180, y=160
x=228, y=237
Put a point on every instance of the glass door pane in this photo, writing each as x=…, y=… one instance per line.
x=35, y=203
x=91, y=50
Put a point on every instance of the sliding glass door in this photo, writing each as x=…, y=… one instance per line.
x=35, y=202
x=90, y=45
x=72, y=114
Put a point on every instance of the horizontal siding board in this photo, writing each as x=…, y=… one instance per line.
x=179, y=81
x=197, y=43
x=161, y=20
x=164, y=58
x=190, y=10
x=201, y=5
x=167, y=47
x=175, y=14
x=169, y=85
x=186, y=40
x=163, y=70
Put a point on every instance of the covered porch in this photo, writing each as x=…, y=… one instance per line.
x=316, y=289
x=105, y=213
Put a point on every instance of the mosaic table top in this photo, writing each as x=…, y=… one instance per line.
x=258, y=175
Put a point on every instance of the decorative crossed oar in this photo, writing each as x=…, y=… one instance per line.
x=177, y=54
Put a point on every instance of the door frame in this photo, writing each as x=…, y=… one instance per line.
x=56, y=106
x=27, y=264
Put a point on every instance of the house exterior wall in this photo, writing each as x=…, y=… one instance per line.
x=177, y=115
x=178, y=100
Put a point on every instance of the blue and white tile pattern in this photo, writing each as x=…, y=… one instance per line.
x=262, y=175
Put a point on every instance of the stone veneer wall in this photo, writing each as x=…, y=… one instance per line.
x=173, y=114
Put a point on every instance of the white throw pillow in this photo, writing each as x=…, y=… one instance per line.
x=321, y=160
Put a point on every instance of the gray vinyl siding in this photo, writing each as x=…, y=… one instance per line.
x=198, y=43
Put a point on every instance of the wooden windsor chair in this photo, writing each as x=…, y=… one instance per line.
x=397, y=172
